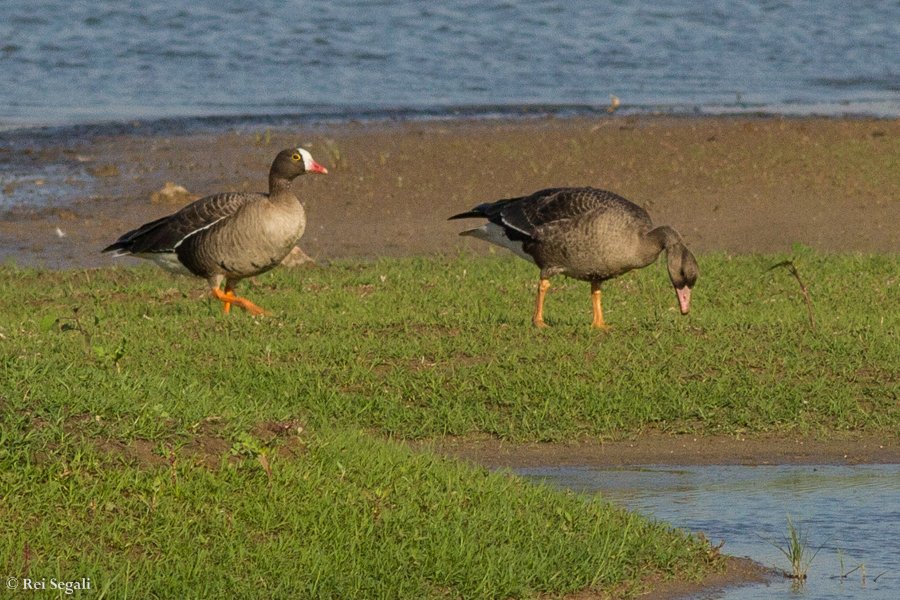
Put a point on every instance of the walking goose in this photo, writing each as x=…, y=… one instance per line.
x=585, y=233
x=228, y=236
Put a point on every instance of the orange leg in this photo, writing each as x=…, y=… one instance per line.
x=538, y=318
x=226, y=303
x=597, y=306
x=228, y=298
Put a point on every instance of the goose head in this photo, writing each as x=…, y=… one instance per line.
x=683, y=271
x=294, y=162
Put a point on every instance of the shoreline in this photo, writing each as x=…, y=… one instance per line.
x=200, y=121
x=662, y=449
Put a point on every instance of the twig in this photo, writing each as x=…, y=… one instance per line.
x=847, y=574
x=789, y=264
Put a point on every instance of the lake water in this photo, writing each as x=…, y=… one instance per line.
x=855, y=509
x=67, y=62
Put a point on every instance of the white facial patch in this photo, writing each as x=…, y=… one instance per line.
x=308, y=161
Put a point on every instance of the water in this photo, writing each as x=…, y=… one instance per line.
x=66, y=62
x=853, y=508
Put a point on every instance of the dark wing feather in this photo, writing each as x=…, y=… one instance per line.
x=163, y=235
x=557, y=205
x=494, y=212
x=472, y=214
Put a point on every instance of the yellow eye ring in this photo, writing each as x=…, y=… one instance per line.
x=297, y=157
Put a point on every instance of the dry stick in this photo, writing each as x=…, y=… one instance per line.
x=789, y=264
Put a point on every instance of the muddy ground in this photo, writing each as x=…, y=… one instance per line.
x=732, y=184
x=737, y=185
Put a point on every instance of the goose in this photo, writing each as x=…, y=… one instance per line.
x=587, y=234
x=228, y=236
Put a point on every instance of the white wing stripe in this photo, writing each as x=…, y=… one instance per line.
x=198, y=231
x=511, y=226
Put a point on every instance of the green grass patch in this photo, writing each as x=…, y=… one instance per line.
x=426, y=347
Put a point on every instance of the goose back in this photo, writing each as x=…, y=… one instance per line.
x=165, y=234
x=590, y=234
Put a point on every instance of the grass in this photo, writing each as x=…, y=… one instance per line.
x=165, y=450
x=418, y=348
x=795, y=547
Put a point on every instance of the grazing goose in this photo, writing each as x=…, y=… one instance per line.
x=228, y=236
x=585, y=233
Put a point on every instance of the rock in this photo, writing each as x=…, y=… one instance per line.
x=172, y=194
x=296, y=258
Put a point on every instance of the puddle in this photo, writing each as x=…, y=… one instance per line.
x=35, y=181
x=852, y=508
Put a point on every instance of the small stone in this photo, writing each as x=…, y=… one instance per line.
x=172, y=194
x=295, y=258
